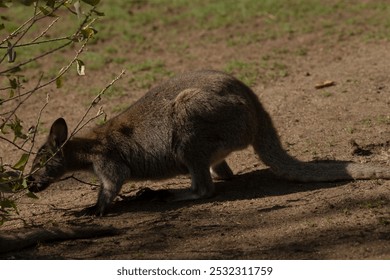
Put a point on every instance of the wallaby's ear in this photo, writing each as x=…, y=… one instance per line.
x=58, y=133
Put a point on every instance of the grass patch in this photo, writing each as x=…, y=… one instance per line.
x=145, y=27
x=375, y=120
x=267, y=69
x=374, y=204
x=147, y=72
x=327, y=94
x=120, y=108
x=383, y=119
x=245, y=71
x=385, y=221
x=94, y=60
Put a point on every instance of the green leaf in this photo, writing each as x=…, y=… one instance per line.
x=5, y=3
x=2, y=4
x=6, y=203
x=24, y=183
x=22, y=162
x=77, y=8
x=59, y=82
x=50, y=3
x=31, y=195
x=80, y=67
x=15, y=69
x=14, y=83
x=2, y=128
x=100, y=14
x=91, y=2
x=16, y=126
x=88, y=32
x=10, y=52
x=46, y=12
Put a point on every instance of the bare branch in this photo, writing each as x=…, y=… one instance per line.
x=41, y=42
x=93, y=103
x=39, y=86
x=24, y=32
x=19, y=39
x=36, y=58
x=11, y=113
x=46, y=30
x=79, y=180
x=14, y=144
x=37, y=124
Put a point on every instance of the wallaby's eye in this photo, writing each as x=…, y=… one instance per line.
x=42, y=161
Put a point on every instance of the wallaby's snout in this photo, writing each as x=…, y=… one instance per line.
x=44, y=172
x=36, y=186
x=49, y=163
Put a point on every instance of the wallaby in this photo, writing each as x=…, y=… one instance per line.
x=189, y=124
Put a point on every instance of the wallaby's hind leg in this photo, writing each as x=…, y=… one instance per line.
x=222, y=171
x=202, y=185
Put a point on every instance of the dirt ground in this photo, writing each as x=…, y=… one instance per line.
x=256, y=215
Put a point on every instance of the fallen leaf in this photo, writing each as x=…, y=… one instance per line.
x=325, y=84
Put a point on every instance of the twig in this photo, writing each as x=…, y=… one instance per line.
x=34, y=19
x=5, y=88
x=79, y=125
x=41, y=42
x=79, y=180
x=63, y=70
x=93, y=103
x=61, y=73
x=46, y=30
x=11, y=113
x=14, y=144
x=36, y=58
x=16, y=31
x=24, y=32
x=37, y=123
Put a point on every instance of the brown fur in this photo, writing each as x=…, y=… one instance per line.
x=188, y=124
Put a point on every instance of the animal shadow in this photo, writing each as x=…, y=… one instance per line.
x=251, y=185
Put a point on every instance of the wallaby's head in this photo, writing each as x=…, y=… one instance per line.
x=49, y=163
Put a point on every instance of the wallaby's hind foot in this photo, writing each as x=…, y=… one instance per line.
x=90, y=211
x=222, y=171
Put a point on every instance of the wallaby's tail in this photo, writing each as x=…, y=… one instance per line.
x=267, y=145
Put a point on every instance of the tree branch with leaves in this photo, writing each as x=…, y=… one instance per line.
x=36, y=35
